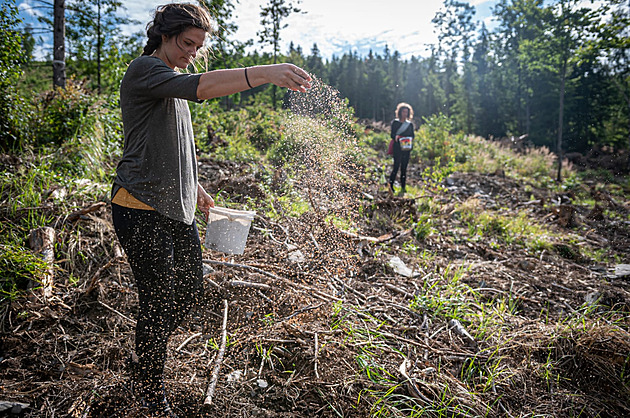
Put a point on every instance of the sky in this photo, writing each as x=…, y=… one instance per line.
x=336, y=26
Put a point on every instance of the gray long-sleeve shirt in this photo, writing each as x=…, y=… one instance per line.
x=158, y=166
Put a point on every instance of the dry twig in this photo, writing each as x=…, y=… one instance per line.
x=240, y=283
x=316, y=359
x=315, y=292
x=131, y=321
x=187, y=340
x=219, y=358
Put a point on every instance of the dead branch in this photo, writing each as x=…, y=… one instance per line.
x=398, y=290
x=240, y=283
x=377, y=240
x=265, y=297
x=314, y=291
x=219, y=359
x=73, y=216
x=411, y=385
x=351, y=289
x=302, y=310
x=95, y=278
x=316, y=359
x=459, y=329
x=106, y=306
x=212, y=282
x=187, y=340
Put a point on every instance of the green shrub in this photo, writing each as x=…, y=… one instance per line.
x=435, y=143
x=18, y=267
x=235, y=135
x=286, y=151
x=264, y=128
x=11, y=119
x=63, y=114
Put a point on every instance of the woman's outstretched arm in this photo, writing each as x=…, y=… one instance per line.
x=219, y=83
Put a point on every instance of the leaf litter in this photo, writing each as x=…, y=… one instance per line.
x=472, y=328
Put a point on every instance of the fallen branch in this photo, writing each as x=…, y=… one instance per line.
x=131, y=321
x=377, y=240
x=265, y=297
x=411, y=385
x=459, y=329
x=350, y=288
x=240, y=283
x=316, y=359
x=302, y=310
x=219, y=358
x=94, y=280
x=73, y=216
x=187, y=340
x=212, y=282
x=276, y=277
x=398, y=290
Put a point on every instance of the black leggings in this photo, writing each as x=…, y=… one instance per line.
x=165, y=257
x=401, y=160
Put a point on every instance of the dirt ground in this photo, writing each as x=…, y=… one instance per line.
x=320, y=324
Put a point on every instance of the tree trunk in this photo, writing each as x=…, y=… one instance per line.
x=99, y=46
x=628, y=136
x=528, y=116
x=560, y=122
x=59, y=50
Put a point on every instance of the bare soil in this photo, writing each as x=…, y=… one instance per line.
x=302, y=346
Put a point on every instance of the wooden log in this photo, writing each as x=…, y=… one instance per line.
x=42, y=242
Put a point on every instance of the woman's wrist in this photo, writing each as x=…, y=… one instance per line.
x=247, y=79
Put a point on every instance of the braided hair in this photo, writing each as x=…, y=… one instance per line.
x=173, y=19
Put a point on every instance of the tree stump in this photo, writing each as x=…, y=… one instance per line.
x=566, y=215
x=42, y=242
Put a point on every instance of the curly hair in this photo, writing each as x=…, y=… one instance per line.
x=402, y=106
x=173, y=19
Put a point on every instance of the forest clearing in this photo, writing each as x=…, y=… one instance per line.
x=478, y=293
x=495, y=282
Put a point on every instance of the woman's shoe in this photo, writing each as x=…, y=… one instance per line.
x=153, y=397
x=158, y=407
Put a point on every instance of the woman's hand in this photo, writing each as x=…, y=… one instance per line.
x=204, y=201
x=282, y=75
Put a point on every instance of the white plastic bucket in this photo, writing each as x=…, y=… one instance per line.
x=228, y=229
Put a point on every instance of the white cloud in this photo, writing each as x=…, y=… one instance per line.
x=28, y=9
x=336, y=26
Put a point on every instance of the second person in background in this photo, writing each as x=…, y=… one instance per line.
x=402, y=134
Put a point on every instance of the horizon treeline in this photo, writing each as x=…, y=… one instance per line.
x=556, y=71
